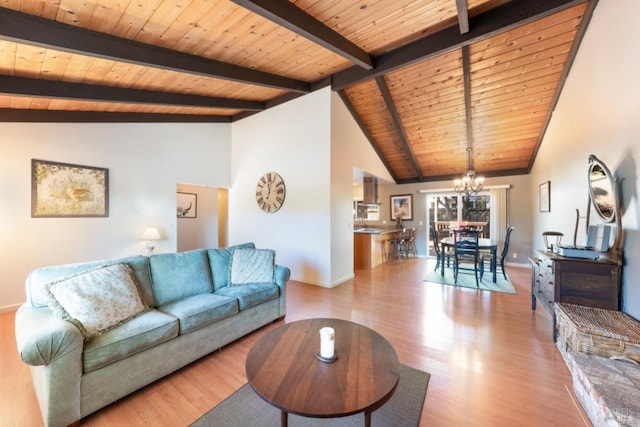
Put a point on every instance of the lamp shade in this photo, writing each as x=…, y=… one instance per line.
x=151, y=233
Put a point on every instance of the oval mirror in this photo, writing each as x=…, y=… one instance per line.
x=601, y=189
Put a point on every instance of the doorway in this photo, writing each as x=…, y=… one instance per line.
x=206, y=224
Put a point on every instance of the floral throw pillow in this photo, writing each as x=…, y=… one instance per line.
x=97, y=300
x=252, y=266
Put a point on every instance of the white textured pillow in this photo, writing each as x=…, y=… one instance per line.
x=97, y=300
x=252, y=266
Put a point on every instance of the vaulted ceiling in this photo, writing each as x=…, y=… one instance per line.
x=437, y=86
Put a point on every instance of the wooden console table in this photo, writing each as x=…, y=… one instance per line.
x=587, y=282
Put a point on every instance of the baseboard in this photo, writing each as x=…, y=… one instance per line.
x=8, y=308
x=518, y=265
x=576, y=403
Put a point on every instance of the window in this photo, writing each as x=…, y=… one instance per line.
x=450, y=210
x=365, y=212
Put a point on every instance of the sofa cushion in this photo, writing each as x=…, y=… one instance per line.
x=251, y=295
x=97, y=300
x=180, y=275
x=201, y=310
x=251, y=266
x=145, y=331
x=40, y=277
x=220, y=260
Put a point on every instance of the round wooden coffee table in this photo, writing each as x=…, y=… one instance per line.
x=282, y=369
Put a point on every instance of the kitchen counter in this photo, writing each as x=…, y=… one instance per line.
x=370, y=245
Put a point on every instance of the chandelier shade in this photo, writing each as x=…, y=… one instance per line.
x=469, y=185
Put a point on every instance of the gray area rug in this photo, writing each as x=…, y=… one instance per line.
x=245, y=408
x=467, y=280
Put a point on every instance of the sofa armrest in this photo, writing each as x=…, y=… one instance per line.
x=42, y=337
x=53, y=348
x=282, y=275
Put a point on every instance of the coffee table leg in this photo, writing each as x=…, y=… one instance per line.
x=284, y=419
x=367, y=419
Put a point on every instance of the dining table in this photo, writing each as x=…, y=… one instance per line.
x=484, y=243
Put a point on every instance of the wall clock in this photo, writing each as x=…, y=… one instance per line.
x=270, y=192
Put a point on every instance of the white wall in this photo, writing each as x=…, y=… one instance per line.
x=349, y=149
x=291, y=139
x=598, y=113
x=145, y=164
x=314, y=144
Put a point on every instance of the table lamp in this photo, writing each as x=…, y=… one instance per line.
x=151, y=234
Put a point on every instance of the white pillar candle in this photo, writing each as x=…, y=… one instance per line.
x=327, y=336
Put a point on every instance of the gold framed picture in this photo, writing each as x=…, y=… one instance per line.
x=68, y=190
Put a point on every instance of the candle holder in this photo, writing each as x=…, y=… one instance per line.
x=325, y=359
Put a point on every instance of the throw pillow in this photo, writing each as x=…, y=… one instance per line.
x=97, y=300
x=251, y=266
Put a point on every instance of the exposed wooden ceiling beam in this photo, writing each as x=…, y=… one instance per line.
x=490, y=174
x=53, y=116
x=463, y=16
x=77, y=91
x=291, y=17
x=483, y=26
x=319, y=84
x=466, y=73
x=393, y=112
x=32, y=30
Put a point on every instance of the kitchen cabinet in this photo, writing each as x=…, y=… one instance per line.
x=370, y=246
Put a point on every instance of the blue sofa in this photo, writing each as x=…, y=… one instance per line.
x=191, y=309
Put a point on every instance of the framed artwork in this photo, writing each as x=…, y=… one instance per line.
x=402, y=206
x=187, y=205
x=67, y=190
x=545, y=196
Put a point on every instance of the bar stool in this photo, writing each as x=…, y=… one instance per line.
x=410, y=243
x=397, y=245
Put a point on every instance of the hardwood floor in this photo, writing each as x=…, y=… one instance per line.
x=492, y=361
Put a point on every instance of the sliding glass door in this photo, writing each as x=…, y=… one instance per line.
x=450, y=210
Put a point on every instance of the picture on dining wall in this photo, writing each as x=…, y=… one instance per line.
x=402, y=206
x=545, y=196
x=68, y=190
x=187, y=205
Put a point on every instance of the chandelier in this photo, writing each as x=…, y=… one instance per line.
x=469, y=185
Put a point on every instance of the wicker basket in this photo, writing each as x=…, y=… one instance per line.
x=605, y=333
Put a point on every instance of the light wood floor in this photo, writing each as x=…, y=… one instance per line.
x=492, y=361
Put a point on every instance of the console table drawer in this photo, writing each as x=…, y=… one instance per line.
x=586, y=282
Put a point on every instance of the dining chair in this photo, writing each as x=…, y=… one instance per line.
x=441, y=255
x=501, y=258
x=465, y=250
x=435, y=240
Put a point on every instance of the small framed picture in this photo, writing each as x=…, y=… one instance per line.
x=187, y=204
x=402, y=206
x=545, y=196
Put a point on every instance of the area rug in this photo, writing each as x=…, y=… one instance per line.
x=245, y=408
x=468, y=280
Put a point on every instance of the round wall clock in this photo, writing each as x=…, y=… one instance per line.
x=270, y=192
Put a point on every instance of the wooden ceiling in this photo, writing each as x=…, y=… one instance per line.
x=438, y=86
